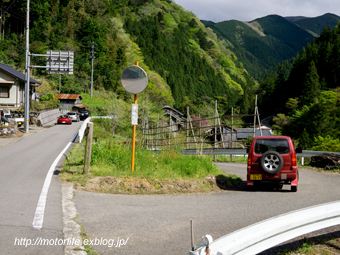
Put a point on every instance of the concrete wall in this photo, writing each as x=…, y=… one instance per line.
x=49, y=117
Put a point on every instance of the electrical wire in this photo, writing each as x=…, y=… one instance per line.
x=7, y=9
x=17, y=16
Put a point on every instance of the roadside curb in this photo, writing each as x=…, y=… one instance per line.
x=71, y=229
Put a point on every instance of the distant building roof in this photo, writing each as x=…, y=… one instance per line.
x=173, y=109
x=243, y=133
x=80, y=106
x=8, y=69
x=69, y=96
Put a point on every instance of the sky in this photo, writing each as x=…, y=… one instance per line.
x=248, y=10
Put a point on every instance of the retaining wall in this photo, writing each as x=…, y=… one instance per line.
x=49, y=117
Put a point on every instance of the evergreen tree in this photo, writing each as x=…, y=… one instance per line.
x=311, y=85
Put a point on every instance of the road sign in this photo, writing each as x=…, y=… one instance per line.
x=59, y=62
x=134, y=114
x=134, y=79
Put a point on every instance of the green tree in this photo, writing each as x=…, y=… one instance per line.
x=311, y=85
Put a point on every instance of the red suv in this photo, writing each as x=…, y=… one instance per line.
x=272, y=158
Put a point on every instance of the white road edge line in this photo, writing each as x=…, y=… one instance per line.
x=40, y=210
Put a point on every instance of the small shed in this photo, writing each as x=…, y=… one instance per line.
x=176, y=116
x=69, y=101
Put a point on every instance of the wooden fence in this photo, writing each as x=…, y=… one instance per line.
x=199, y=133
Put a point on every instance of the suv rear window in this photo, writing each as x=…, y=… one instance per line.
x=279, y=145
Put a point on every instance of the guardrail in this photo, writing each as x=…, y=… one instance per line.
x=269, y=233
x=212, y=151
x=82, y=129
x=83, y=126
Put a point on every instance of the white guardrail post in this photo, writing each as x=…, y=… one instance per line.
x=269, y=233
x=82, y=129
x=84, y=125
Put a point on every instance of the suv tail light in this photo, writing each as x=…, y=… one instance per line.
x=249, y=160
x=293, y=159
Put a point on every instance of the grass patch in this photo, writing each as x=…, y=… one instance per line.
x=325, y=245
x=154, y=173
x=87, y=248
x=233, y=159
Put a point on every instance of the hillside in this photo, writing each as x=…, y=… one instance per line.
x=317, y=24
x=306, y=97
x=186, y=63
x=271, y=40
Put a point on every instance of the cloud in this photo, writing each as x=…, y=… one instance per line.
x=247, y=10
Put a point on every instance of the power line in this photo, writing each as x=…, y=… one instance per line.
x=7, y=9
x=17, y=16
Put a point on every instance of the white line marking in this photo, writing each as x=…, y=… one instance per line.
x=39, y=212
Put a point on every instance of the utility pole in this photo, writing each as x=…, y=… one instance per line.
x=27, y=76
x=92, y=58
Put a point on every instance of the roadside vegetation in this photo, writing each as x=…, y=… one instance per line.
x=325, y=245
x=166, y=172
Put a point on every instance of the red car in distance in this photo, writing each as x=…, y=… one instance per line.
x=64, y=119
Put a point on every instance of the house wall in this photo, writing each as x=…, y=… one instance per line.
x=66, y=104
x=14, y=95
x=16, y=92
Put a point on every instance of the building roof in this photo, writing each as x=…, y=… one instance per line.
x=69, y=96
x=11, y=71
x=243, y=133
x=173, y=109
x=80, y=106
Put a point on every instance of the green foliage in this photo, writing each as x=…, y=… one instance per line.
x=326, y=144
x=317, y=24
x=306, y=124
x=172, y=45
x=262, y=43
x=48, y=101
x=168, y=164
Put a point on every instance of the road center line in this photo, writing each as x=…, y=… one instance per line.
x=40, y=210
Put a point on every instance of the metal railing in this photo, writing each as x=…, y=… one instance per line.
x=217, y=151
x=269, y=233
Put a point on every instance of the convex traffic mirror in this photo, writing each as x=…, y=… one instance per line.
x=134, y=79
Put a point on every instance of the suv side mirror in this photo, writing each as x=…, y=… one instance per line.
x=298, y=150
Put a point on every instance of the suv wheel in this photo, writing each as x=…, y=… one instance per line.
x=271, y=162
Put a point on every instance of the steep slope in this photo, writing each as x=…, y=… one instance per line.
x=263, y=42
x=187, y=63
x=317, y=24
x=308, y=95
x=285, y=31
x=271, y=39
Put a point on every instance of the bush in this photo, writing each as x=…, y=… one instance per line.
x=326, y=144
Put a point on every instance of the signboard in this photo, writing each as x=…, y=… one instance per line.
x=134, y=114
x=134, y=79
x=59, y=62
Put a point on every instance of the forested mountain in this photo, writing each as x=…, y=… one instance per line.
x=317, y=24
x=186, y=62
x=308, y=95
x=268, y=41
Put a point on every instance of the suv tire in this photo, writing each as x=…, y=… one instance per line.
x=271, y=162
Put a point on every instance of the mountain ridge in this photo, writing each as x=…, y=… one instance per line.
x=272, y=39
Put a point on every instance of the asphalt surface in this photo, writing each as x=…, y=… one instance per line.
x=132, y=224
x=157, y=224
x=24, y=164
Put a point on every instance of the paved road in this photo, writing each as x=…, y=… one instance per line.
x=23, y=168
x=152, y=224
